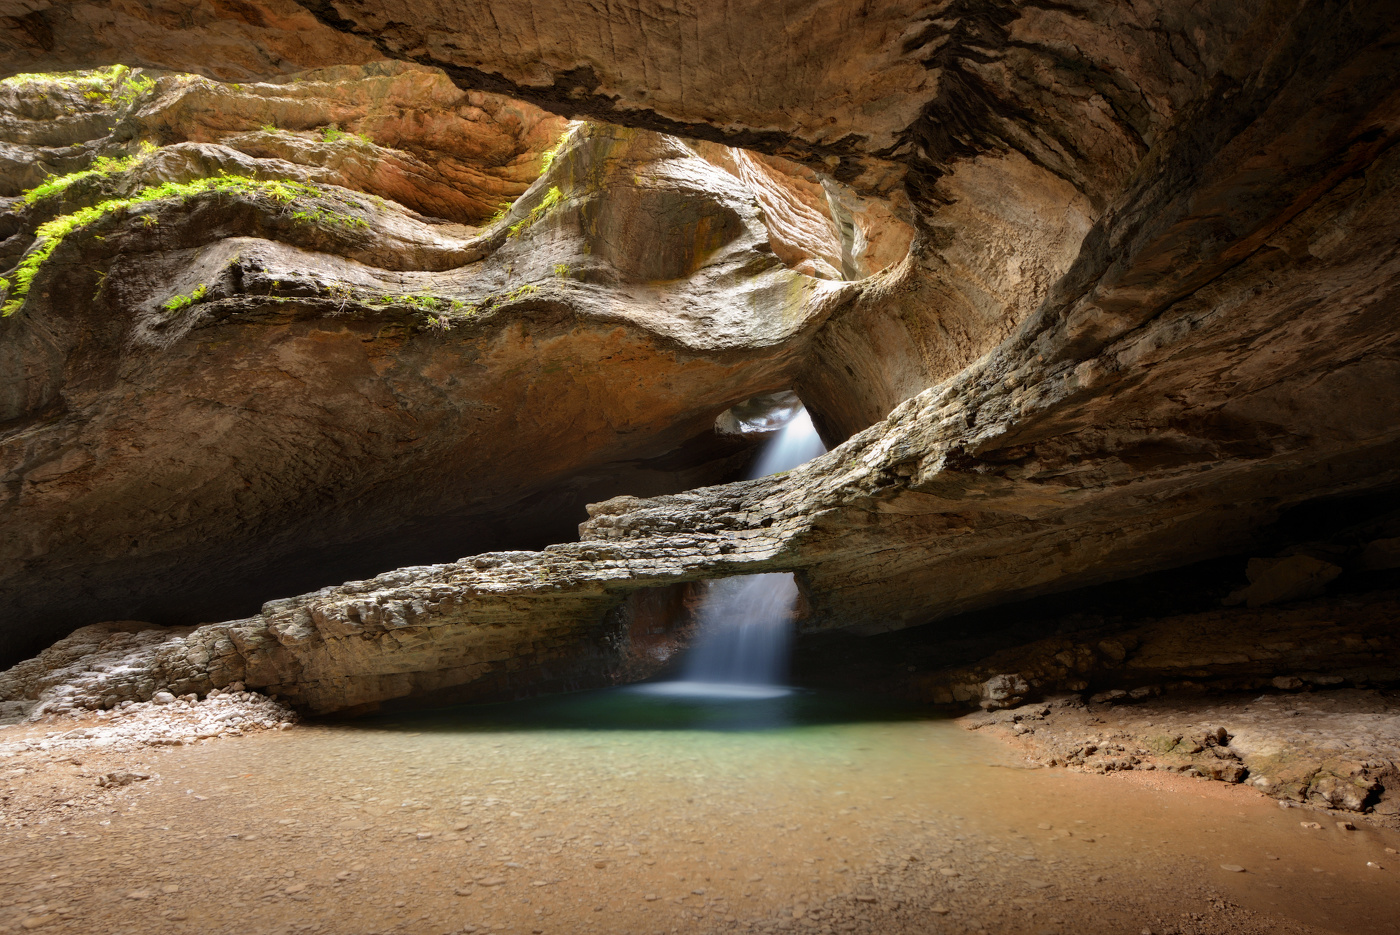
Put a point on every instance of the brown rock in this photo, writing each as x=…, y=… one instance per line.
x=1138, y=319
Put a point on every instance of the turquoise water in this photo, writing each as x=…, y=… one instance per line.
x=634, y=708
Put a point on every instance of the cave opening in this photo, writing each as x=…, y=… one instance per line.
x=381, y=423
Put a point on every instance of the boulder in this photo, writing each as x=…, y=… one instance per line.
x=1003, y=691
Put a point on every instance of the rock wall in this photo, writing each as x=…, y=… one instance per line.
x=1150, y=303
x=259, y=386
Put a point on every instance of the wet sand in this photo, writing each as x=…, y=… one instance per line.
x=537, y=824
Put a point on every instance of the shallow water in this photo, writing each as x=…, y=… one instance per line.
x=618, y=812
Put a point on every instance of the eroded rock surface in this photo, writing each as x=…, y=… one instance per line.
x=1337, y=750
x=300, y=379
x=1148, y=305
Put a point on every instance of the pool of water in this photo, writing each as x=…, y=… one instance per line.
x=623, y=812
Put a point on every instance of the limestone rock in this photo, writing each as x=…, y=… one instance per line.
x=1004, y=691
x=439, y=388
x=1146, y=309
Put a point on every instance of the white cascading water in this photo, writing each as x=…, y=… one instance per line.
x=745, y=624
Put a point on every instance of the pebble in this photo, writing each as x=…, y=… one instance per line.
x=1345, y=826
x=1233, y=868
x=34, y=922
x=1311, y=824
x=139, y=894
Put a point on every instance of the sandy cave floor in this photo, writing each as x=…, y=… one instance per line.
x=450, y=824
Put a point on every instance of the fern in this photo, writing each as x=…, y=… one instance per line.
x=550, y=199
x=178, y=303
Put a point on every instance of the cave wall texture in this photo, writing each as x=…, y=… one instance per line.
x=1148, y=303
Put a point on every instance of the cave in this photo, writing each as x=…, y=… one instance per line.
x=817, y=466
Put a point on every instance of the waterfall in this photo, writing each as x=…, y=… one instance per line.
x=797, y=443
x=745, y=623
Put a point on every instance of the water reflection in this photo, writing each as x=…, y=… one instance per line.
x=644, y=708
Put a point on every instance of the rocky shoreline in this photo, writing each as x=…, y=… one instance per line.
x=1335, y=751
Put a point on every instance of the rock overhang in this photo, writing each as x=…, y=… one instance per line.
x=1101, y=404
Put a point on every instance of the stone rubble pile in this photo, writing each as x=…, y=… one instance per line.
x=165, y=720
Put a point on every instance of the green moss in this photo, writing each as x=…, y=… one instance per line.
x=101, y=166
x=321, y=217
x=550, y=199
x=178, y=303
x=112, y=85
x=549, y=155
x=52, y=233
x=502, y=210
x=270, y=128
x=331, y=134
x=101, y=80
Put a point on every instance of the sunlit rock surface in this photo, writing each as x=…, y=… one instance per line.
x=257, y=390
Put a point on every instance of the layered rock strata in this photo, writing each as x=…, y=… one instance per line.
x=247, y=361
x=1150, y=303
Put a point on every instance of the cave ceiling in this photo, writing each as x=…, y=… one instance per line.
x=1149, y=300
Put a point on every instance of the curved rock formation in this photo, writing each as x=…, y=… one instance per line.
x=1149, y=303
x=260, y=373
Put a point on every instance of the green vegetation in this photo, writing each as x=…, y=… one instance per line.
x=502, y=210
x=101, y=166
x=420, y=301
x=132, y=90
x=551, y=198
x=444, y=314
x=113, y=85
x=99, y=79
x=178, y=303
x=561, y=270
x=52, y=233
x=271, y=128
x=333, y=134
x=549, y=155
x=321, y=217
